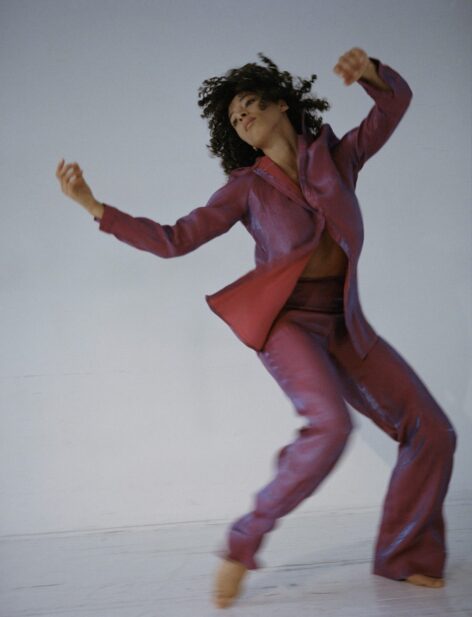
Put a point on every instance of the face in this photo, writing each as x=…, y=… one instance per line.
x=254, y=120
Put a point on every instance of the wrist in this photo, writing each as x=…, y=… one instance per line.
x=95, y=208
x=372, y=77
x=370, y=71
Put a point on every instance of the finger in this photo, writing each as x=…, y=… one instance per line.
x=349, y=63
x=354, y=55
x=350, y=69
x=75, y=178
x=362, y=59
x=68, y=174
x=74, y=168
x=345, y=71
x=352, y=60
x=72, y=175
x=360, y=53
x=340, y=68
x=343, y=64
x=67, y=169
x=63, y=170
x=67, y=180
x=59, y=167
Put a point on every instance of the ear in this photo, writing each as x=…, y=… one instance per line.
x=283, y=105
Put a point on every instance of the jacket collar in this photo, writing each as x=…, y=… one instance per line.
x=274, y=175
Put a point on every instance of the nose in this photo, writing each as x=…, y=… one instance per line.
x=241, y=114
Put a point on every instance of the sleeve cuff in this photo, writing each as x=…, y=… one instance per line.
x=108, y=218
x=399, y=89
x=385, y=75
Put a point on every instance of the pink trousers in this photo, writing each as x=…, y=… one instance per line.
x=310, y=355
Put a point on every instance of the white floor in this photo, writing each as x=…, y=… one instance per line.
x=317, y=564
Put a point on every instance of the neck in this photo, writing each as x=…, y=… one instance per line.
x=283, y=149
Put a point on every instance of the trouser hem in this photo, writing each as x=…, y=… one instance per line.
x=402, y=575
x=250, y=562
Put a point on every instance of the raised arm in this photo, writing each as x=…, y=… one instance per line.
x=224, y=208
x=361, y=142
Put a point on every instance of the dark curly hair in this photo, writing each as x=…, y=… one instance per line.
x=216, y=93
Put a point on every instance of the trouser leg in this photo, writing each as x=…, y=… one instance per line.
x=296, y=357
x=385, y=388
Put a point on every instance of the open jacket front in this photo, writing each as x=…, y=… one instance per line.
x=285, y=223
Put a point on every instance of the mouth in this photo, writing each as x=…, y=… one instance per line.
x=250, y=123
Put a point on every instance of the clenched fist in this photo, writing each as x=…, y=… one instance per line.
x=74, y=186
x=353, y=65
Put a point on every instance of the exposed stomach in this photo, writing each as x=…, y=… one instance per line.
x=328, y=259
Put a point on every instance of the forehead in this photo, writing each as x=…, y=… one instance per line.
x=237, y=99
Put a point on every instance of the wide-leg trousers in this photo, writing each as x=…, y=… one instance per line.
x=310, y=355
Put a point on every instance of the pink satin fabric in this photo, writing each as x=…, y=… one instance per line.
x=267, y=164
x=310, y=355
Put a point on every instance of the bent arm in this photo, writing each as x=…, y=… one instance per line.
x=363, y=141
x=224, y=208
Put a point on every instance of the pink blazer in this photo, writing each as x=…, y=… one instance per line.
x=285, y=222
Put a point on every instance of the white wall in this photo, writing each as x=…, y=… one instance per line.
x=124, y=399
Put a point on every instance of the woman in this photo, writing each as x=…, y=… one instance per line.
x=291, y=182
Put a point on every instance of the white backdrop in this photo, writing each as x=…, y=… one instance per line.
x=124, y=399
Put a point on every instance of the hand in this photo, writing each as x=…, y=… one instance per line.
x=353, y=65
x=73, y=184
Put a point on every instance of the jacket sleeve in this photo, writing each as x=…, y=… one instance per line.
x=224, y=208
x=361, y=142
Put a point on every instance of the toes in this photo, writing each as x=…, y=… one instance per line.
x=425, y=581
x=223, y=602
x=228, y=583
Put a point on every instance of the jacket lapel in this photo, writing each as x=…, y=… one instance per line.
x=285, y=185
x=282, y=187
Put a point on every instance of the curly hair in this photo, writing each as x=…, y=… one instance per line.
x=216, y=93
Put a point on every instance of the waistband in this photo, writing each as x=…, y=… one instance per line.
x=318, y=294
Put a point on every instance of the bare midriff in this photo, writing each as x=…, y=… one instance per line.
x=328, y=259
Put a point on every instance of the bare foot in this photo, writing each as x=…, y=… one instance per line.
x=425, y=581
x=228, y=582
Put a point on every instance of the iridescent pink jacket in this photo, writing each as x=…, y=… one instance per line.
x=286, y=225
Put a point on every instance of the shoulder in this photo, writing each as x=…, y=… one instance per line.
x=234, y=190
x=326, y=137
x=244, y=172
